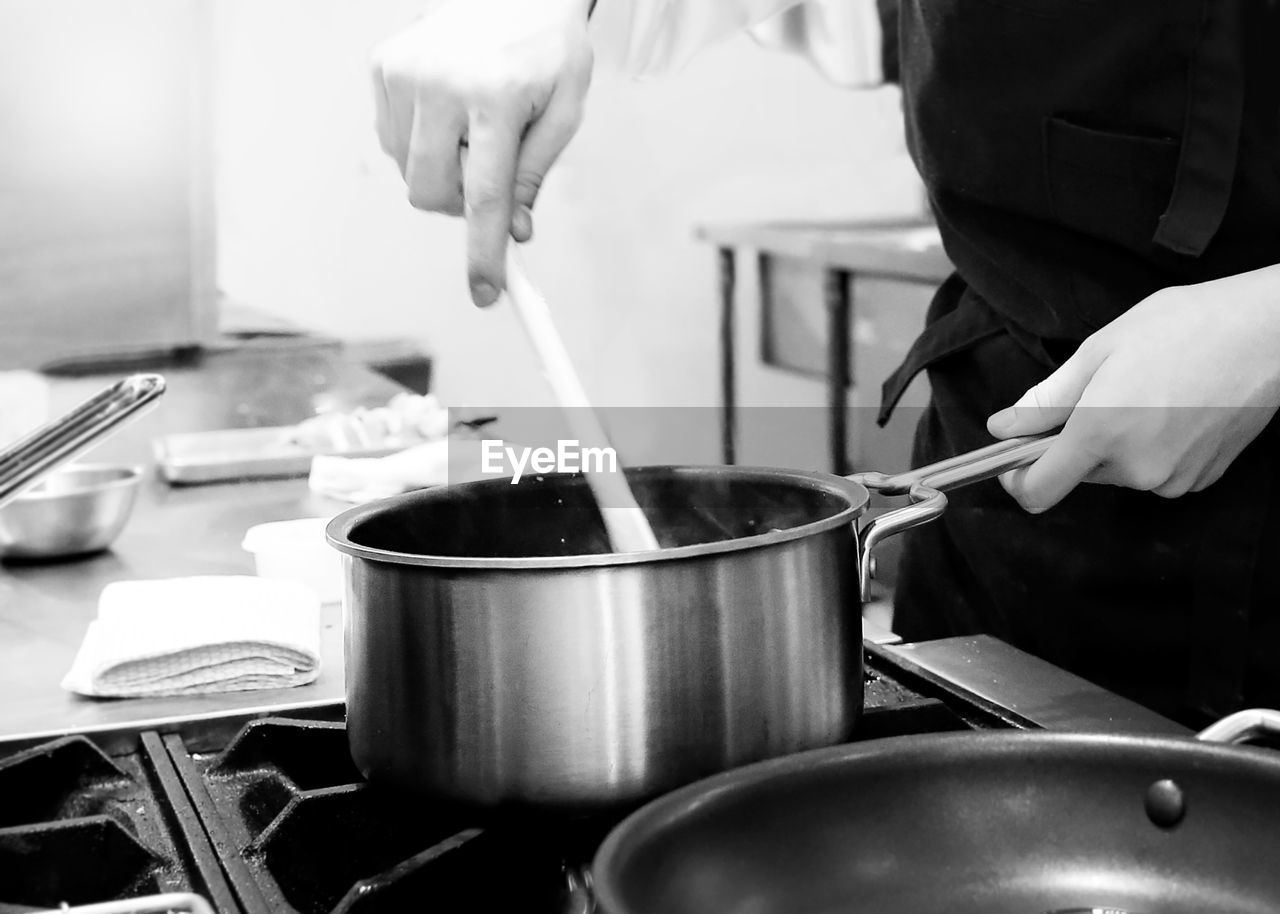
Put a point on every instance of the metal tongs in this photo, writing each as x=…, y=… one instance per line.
x=28, y=460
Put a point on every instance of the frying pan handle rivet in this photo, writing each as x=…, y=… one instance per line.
x=1165, y=803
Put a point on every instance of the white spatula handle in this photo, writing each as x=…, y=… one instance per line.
x=628, y=528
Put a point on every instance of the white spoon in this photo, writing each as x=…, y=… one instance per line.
x=628, y=528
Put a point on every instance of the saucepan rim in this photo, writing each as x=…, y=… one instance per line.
x=339, y=530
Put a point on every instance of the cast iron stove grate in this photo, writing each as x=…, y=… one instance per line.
x=79, y=827
x=277, y=819
x=299, y=831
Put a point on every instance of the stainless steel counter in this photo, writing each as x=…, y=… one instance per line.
x=44, y=609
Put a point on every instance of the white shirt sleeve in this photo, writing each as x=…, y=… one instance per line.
x=843, y=39
x=652, y=37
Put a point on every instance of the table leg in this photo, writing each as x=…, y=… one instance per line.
x=728, y=393
x=836, y=285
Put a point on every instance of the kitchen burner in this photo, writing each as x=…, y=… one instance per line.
x=275, y=818
x=297, y=829
x=78, y=827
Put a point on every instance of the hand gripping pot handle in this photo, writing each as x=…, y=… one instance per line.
x=927, y=486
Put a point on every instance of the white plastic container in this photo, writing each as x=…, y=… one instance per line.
x=296, y=550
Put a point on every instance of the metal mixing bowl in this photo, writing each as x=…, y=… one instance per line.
x=74, y=511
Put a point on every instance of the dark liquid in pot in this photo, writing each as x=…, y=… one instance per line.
x=557, y=515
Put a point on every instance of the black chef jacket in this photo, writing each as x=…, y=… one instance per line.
x=1080, y=155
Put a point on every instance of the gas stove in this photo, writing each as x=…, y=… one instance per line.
x=269, y=814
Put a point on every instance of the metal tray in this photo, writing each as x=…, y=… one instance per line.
x=247, y=453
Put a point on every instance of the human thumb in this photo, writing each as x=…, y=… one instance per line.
x=1048, y=404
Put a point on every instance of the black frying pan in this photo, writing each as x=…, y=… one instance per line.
x=973, y=823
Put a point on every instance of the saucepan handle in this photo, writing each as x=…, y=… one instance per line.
x=1242, y=725
x=927, y=486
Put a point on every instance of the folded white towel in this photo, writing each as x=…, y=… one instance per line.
x=360, y=479
x=187, y=636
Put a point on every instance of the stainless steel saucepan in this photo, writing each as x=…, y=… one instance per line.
x=498, y=654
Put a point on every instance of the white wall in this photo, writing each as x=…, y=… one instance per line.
x=314, y=227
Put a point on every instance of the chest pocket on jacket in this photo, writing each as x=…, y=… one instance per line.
x=1110, y=185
